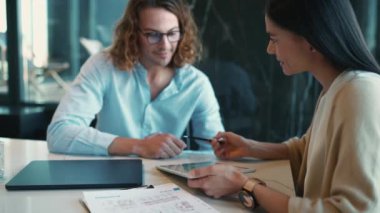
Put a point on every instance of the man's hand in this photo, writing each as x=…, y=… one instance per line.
x=159, y=145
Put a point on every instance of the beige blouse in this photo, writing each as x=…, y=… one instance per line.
x=336, y=164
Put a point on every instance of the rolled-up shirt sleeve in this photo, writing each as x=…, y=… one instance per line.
x=69, y=130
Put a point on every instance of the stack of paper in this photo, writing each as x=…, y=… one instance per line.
x=162, y=198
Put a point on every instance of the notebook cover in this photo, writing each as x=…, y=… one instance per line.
x=78, y=174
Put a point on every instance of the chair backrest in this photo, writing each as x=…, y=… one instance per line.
x=92, y=46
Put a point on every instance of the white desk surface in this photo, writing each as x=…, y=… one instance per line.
x=19, y=153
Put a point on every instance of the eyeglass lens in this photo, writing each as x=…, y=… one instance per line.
x=156, y=37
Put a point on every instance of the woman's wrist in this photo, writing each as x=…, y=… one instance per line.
x=251, y=150
x=238, y=178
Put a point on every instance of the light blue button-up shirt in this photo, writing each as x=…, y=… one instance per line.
x=121, y=102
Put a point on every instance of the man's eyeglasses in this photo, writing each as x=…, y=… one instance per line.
x=155, y=37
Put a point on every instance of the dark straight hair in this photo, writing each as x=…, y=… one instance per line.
x=330, y=26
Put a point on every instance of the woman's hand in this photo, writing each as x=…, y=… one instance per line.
x=229, y=146
x=217, y=180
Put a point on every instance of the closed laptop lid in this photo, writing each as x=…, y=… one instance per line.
x=78, y=174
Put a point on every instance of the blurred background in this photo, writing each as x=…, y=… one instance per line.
x=43, y=44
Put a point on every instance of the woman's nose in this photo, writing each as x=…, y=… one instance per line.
x=270, y=48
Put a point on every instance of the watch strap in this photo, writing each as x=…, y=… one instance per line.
x=249, y=187
x=251, y=184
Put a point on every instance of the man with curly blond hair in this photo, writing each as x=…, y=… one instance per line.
x=143, y=90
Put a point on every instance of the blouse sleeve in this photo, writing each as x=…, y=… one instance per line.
x=297, y=151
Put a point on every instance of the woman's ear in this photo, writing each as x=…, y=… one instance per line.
x=308, y=46
x=312, y=49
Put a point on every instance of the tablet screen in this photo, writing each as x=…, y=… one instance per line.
x=183, y=169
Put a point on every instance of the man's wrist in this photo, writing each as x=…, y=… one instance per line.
x=123, y=146
x=135, y=146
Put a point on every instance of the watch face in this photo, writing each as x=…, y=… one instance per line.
x=246, y=199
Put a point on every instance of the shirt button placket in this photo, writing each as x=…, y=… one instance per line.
x=147, y=125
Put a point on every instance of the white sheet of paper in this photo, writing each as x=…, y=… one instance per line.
x=162, y=198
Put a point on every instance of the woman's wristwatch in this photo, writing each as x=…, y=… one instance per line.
x=247, y=196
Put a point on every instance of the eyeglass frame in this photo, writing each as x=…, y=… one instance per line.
x=160, y=35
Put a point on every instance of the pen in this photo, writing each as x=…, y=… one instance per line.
x=197, y=138
x=221, y=140
x=139, y=187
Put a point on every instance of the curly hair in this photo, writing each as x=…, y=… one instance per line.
x=124, y=50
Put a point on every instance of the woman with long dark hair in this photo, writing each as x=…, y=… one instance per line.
x=336, y=163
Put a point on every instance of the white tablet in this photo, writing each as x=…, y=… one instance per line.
x=184, y=168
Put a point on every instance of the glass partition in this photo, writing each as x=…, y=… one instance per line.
x=256, y=99
x=3, y=49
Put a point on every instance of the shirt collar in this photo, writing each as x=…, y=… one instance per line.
x=174, y=85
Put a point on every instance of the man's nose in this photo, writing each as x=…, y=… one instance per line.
x=164, y=41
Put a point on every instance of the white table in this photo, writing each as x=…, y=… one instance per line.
x=19, y=153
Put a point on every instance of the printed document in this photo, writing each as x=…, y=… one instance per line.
x=167, y=198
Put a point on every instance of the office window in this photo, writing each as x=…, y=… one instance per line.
x=3, y=49
x=34, y=48
x=57, y=37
